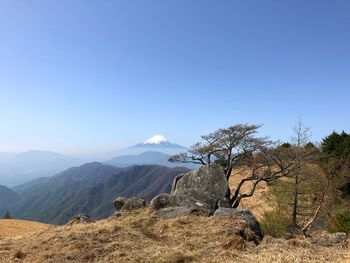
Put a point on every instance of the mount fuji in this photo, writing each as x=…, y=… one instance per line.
x=160, y=143
x=155, y=150
x=157, y=143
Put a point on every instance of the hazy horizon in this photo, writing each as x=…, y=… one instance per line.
x=106, y=151
x=97, y=76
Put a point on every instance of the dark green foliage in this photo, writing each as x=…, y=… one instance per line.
x=310, y=185
x=346, y=188
x=341, y=222
x=7, y=215
x=337, y=145
x=336, y=160
x=311, y=147
x=276, y=223
x=285, y=145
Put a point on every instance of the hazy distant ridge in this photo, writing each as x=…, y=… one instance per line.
x=90, y=189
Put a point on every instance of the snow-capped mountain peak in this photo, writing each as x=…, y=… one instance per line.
x=157, y=143
x=157, y=139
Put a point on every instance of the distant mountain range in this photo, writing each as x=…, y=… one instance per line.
x=8, y=198
x=44, y=193
x=22, y=167
x=143, y=158
x=157, y=143
x=18, y=168
x=156, y=150
x=89, y=189
x=150, y=157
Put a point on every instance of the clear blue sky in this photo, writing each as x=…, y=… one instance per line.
x=98, y=75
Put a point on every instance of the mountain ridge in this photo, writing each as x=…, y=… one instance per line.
x=90, y=189
x=146, y=158
x=18, y=168
x=8, y=198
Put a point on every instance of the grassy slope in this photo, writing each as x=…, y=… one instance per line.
x=142, y=238
x=260, y=202
x=15, y=228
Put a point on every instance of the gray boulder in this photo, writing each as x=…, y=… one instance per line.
x=166, y=200
x=338, y=237
x=202, y=188
x=224, y=202
x=133, y=203
x=321, y=241
x=249, y=227
x=172, y=212
x=123, y=204
x=80, y=219
x=224, y=211
x=119, y=202
x=329, y=240
x=176, y=179
x=207, y=184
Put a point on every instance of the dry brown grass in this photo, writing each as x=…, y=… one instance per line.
x=140, y=237
x=261, y=202
x=15, y=228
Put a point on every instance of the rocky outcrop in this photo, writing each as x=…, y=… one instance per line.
x=249, y=227
x=133, y=203
x=199, y=192
x=171, y=212
x=119, y=202
x=202, y=192
x=329, y=239
x=124, y=204
x=203, y=188
x=80, y=219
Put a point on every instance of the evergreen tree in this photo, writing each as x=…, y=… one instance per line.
x=7, y=215
x=337, y=146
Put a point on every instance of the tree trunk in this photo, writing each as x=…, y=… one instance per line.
x=228, y=192
x=312, y=220
x=295, y=200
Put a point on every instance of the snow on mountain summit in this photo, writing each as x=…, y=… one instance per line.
x=157, y=139
x=157, y=143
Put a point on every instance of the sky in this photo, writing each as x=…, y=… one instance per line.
x=90, y=76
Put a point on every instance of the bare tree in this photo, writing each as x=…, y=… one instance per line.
x=225, y=146
x=238, y=145
x=331, y=170
x=268, y=165
x=300, y=139
x=311, y=221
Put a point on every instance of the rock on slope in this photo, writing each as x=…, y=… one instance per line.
x=203, y=191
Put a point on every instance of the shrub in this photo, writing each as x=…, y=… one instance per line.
x=19, y=255
x=276, y=224
x=341, y=222
x=179, y=258
x=7, y=215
